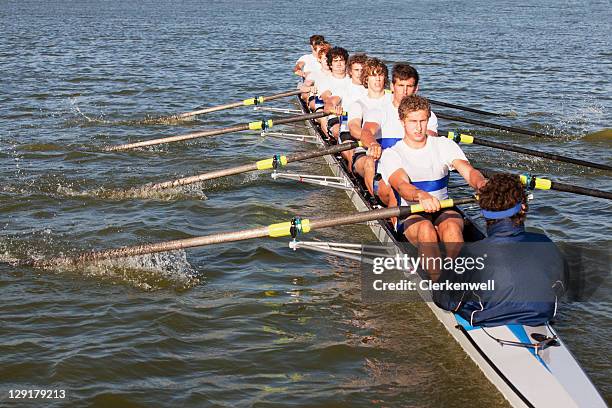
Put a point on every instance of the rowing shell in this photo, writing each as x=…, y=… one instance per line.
x=548, y=377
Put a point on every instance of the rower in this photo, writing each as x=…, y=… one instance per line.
x=309, y=63
x=375, y=78
x=417, y=168
x=527, y=268
x=357, y=91
x=336, y=88
x=382, y=128
x=315, y=78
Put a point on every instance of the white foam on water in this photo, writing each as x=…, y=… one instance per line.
x=164, y=270
x=147, y=272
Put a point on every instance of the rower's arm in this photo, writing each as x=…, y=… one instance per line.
x=368, y=132
x=354, y=126
x=474, y=178
x=400, y=181
x=297, y=70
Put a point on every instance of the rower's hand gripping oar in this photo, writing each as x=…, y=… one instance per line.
x=290, y=228
x=538, y=183
x=257, y=125
x=274, y=163
x=468, y=139
x=257, y=100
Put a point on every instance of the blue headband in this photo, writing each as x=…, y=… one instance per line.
x=496, y=215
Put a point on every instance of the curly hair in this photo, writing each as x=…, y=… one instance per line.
x=374, y=66
x=403, y=71
x=501, y=192
x=413, y=103
x=357, y=59
x=336, y=52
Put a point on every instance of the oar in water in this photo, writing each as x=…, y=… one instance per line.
x=493, y=125
x=257, y=100
x=468, y=139
x=266, y=164
x=258, y=125
x=463, y=108
x=294, y=227
x=539, y=183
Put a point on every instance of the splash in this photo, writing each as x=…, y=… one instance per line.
x=192, y=191
x=164, y=270
x=75, y=109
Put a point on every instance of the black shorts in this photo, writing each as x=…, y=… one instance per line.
x=356, y=157
x=432, y=217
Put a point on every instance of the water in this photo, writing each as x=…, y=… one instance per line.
x=254, y=323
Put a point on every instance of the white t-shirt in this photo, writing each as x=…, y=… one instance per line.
x=337, y=86
x=427, y=167
x=355, y=93
x=364, y=104
x=391, y=129
x=311, y=64
x=318, y=77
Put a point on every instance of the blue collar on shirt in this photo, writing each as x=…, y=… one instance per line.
x=505, y=228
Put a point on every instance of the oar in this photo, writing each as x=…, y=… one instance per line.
x=258, y=125
x=503, y=146
x=247, y=102
x=266, y=164
x=463, y=108
x=294, y=227
x=538, y=183
x=493, y=125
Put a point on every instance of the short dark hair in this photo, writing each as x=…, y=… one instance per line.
x=501, y=192
x=314, y=39
x=337, y=52
x=403, y=71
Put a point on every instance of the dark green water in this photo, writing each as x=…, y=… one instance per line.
x=255, y=323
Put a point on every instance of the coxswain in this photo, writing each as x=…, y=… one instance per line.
x=417, y=168
x=382, y=128
x=309, y=62
x=527, y=269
